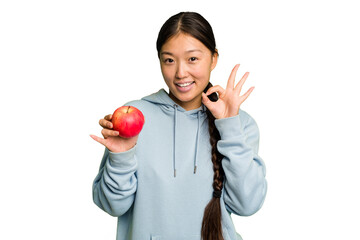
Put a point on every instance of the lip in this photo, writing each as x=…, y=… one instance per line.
x=184, y=89
x=184, y=82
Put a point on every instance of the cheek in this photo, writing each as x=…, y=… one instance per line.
x=164, y=71
x=201, y=72
x=167, y=74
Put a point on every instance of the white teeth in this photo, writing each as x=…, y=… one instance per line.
x=185, y=84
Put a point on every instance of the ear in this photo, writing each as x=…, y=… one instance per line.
x=214, y=59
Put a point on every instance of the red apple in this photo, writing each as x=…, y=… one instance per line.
x=128, y=121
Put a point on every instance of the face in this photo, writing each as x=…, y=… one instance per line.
x=186, y=65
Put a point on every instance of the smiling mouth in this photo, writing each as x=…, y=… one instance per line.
x=184, y=84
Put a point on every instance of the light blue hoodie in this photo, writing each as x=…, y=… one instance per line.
x=160, y=188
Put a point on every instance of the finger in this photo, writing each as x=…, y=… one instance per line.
x=241, y=83
x=108, y=117
x=231, y=81
x=105, y=123
x=246, y=95
x=98, y=139
x=109, y=133
x=216, y=88
x=206, y=101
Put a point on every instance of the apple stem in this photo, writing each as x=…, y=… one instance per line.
x=128, y=109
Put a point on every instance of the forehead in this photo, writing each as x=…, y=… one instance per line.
x=183, y=43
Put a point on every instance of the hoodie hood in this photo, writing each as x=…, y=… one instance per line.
x=163, y=100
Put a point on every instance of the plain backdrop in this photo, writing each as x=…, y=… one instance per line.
x=66, y=64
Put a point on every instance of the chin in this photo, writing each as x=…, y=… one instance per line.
x=184, y=97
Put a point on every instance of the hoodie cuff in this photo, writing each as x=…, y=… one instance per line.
x=229, y=127
x=123, y=159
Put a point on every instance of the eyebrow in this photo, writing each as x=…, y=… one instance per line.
x=188, y=51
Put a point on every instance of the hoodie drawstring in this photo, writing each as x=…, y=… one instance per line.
x=196, y=144
x=174, y=142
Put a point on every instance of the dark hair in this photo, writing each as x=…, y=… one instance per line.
x=197, y=26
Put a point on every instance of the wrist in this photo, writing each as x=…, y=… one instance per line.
x=229, y=127
x=121, y=148
x=228, y=116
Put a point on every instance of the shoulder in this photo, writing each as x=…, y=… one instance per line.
x=148, y=105
x=138, y=104
x=144, y=106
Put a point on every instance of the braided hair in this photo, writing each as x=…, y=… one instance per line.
x=211, y=225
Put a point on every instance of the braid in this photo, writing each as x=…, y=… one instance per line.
x=216, y=157
x=211, y=225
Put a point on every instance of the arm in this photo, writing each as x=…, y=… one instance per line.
x=115, y=185
x=245, y=185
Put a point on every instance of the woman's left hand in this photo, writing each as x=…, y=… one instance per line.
x=229, y=101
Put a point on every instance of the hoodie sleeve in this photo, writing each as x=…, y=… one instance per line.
x=245, y=185
x=115, y=185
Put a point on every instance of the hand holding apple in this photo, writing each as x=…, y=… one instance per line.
x=112, y=139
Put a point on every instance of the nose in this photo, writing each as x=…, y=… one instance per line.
x=181, y=71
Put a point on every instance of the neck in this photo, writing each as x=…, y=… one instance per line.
x=190, y=105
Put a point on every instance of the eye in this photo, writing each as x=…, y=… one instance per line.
x=168, y=60
x=192, y=59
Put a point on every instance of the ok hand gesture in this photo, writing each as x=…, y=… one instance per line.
x=229, y=101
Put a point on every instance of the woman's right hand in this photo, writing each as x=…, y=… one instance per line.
x=112, y=140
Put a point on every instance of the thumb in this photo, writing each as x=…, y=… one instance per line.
x=98, y=139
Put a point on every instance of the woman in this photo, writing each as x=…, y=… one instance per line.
x=195, y=161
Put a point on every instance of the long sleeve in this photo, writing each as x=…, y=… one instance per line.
x=245, y=185
x=115, y=185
